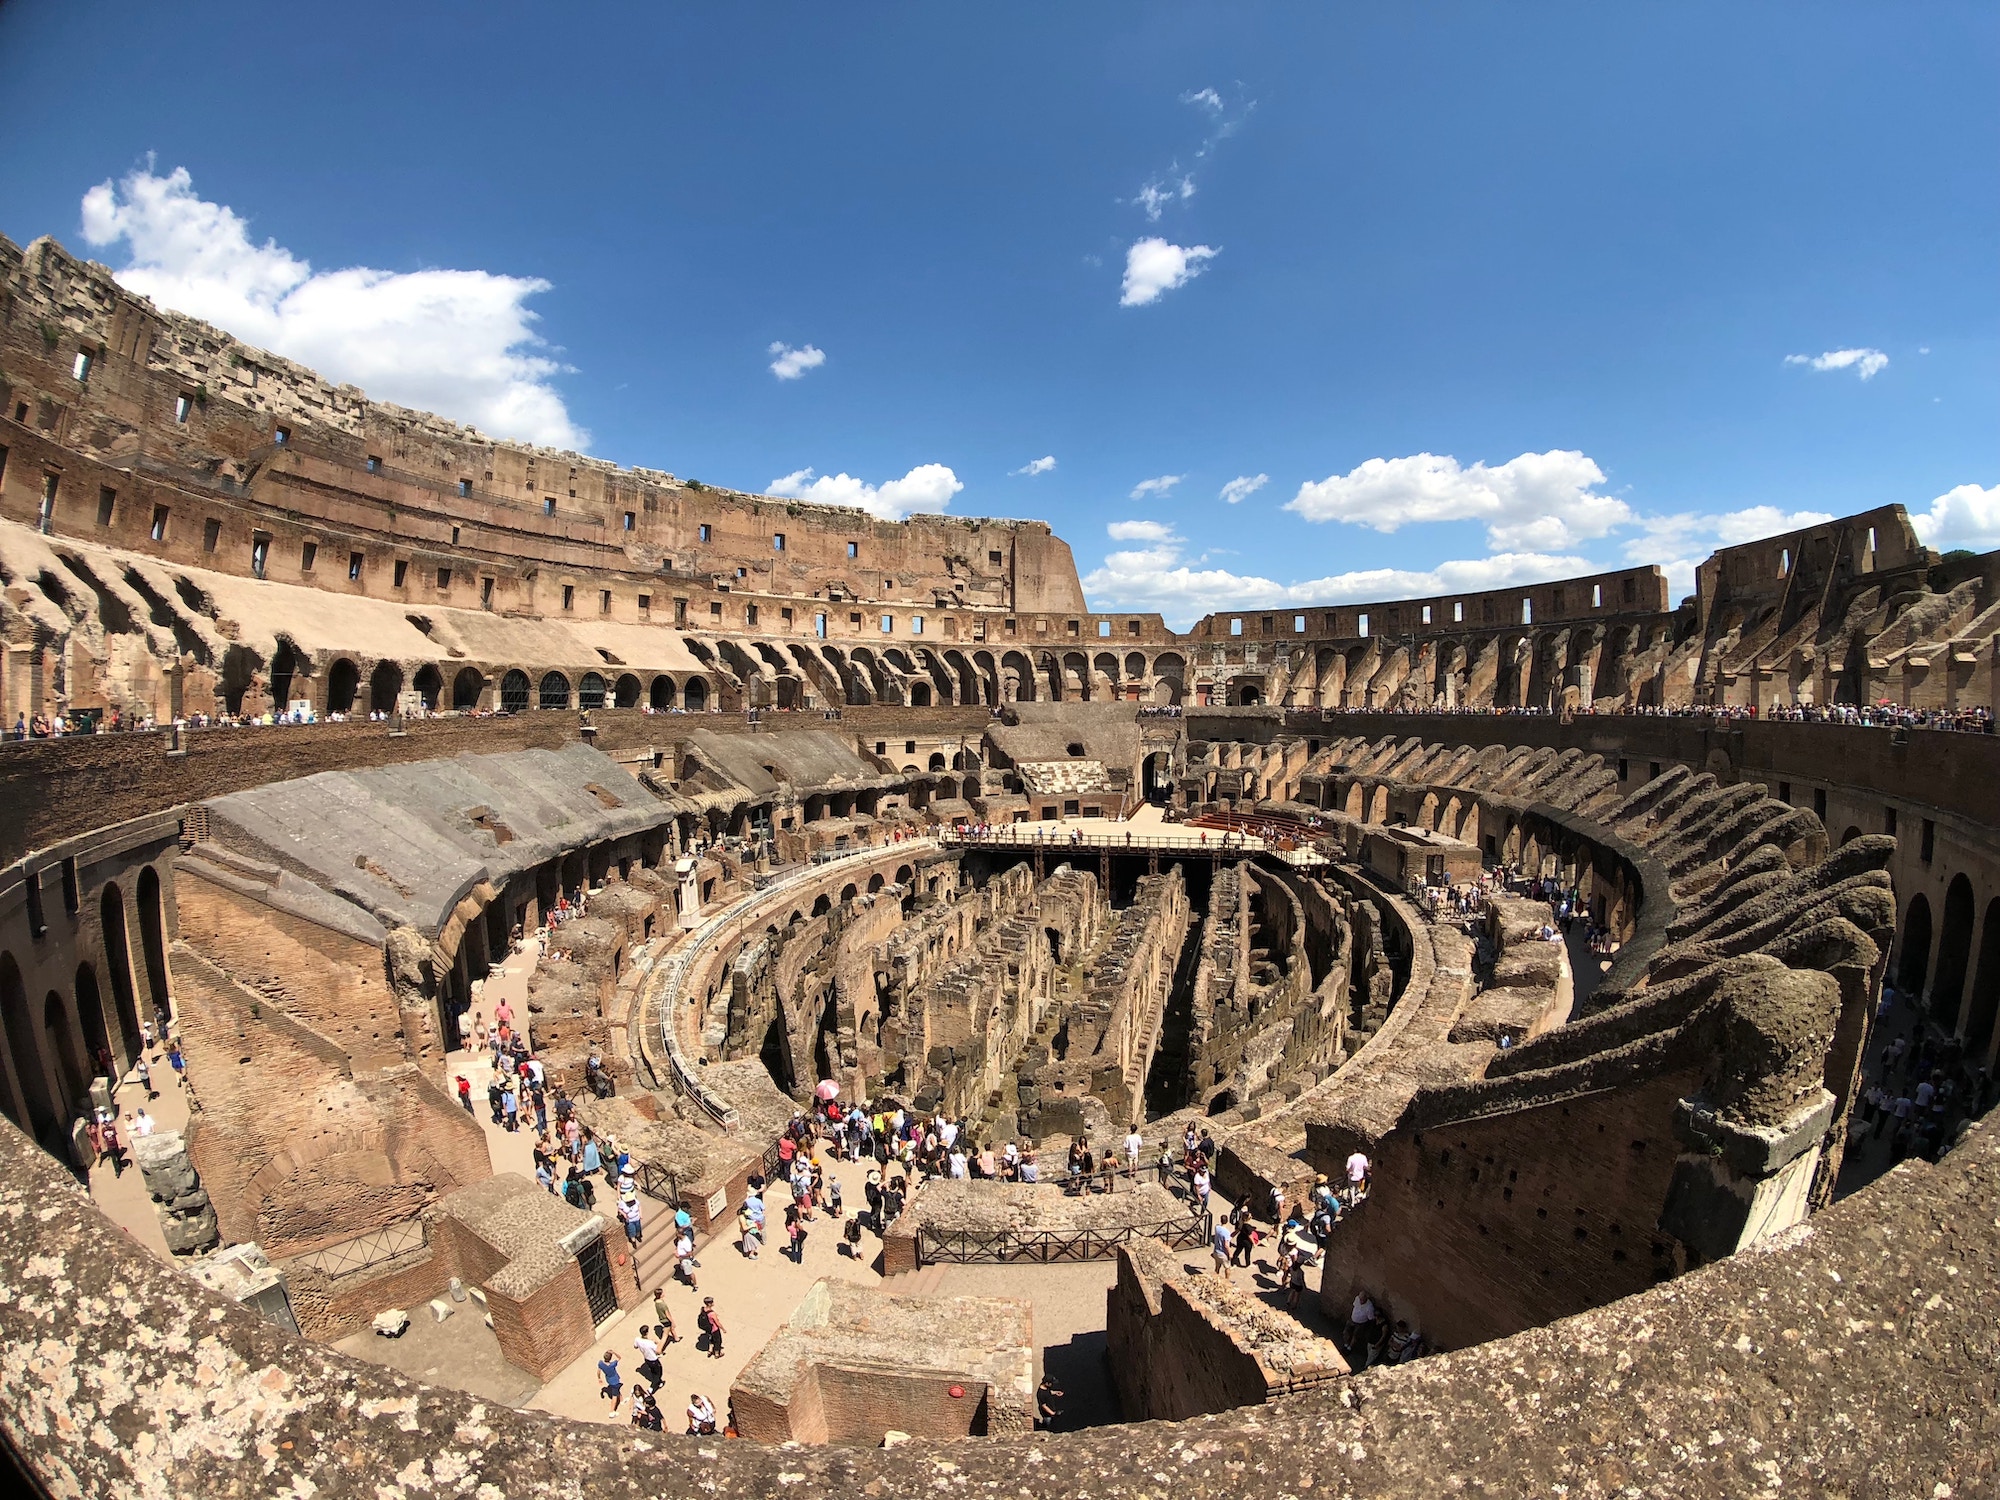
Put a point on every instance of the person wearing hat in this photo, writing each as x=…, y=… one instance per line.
x=629, y=1215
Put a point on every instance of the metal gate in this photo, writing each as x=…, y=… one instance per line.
x=597, y=1288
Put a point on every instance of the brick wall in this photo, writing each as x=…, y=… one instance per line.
x=1477, y=1229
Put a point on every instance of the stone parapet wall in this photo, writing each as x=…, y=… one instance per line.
x=1820, y=1346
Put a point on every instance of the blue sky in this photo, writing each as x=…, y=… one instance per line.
x=1458, y=296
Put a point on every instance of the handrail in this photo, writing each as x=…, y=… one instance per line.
x=1053, y=1246
x=1027, y=836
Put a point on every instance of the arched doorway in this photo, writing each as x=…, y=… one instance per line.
x=32, y=1109
x=1913, y=964
x=343, y=681
x=695, y=695
x=627, y=691
x=64, y=1050
x=661, y=694
x=466, y=688
x=1985, y=986
x=590, y=690
x=1954, y=955
x=153, y=940
x=284, y=667
x=118, y=962
x=554, y=691
x=514, y=692
x=429, y=683
x=90, y=1020
x=385, y=683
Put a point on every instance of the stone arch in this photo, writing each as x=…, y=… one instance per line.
x=118, y=963
x=660, y=695
x=287, y=664
x=1169, y=672
x=90, y=1021
x=1851, y=835
x=34, y=1108
x=936, y=761
x=920, y=695
x=65, y=1054
x=1954, y=951
x=1913, y=959
x=429, y=683
x=848, y=892
x=625, y=692
x=384, y=683
x=153, y=940
x=1985, y=986
x=822, y=904
x=694, y=695
x=554, y=691
x=590, y=690
x=515, y=692
x=466, y=687
x=343, y=683
x=875, y=882
x=1017, y=678
x=1135, y=666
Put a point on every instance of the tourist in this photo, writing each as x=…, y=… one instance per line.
x=646, y=1411
x=629, y=1214
x=749, y=1233
x=684, y=1262
x=1199, y=1182
x=795, y=1232
x=465, y=1094
x=145, y=1075
x=708, y=1327
x=700, y=1415
x=649, y=1357
x=510, y=1108
x=1134, y=1144
x=142, y=1123
x=664, y=1318
x=1220, y=1240
x=1029, y=1171
x=1244, y=1237
x=1358, y=1177
x=1361, y=1321
x=1295, y=1276
x=614, y=1383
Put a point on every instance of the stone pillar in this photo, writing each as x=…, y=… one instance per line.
x=1735, y=1183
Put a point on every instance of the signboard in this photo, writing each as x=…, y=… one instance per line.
x=718, y=1204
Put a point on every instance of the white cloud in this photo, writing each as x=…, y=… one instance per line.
x=1208, y=99
x=459, y=343
x=1153, y=266
x=926, y=487
x=1242, y=487
x=1868, y=363
x=792, y=363
x=1140, y=531
x=1155, y=196
x=1156, y=486
x=1036, y=466
x=1967, y=516
x=1534, y=503
x=1160, y=576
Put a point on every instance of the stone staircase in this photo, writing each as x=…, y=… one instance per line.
x=922, y=1282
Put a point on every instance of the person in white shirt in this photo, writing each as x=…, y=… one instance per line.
x=1134, y=1144
x=957, y=1163
x=1219, y=1244
x=1357, y=1177
x=142, y=1123
x=701, y=1415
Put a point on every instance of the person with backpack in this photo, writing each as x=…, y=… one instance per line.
x=709, y=1325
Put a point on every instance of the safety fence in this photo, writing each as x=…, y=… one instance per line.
x=366, y=1251
x=1055, y=1246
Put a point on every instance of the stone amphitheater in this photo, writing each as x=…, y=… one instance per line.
x=1580, y=913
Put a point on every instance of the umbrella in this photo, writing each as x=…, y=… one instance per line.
x=827, y=1089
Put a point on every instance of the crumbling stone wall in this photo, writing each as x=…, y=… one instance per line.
x=1180, y=1342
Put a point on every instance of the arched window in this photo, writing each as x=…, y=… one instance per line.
x=384, y=684
x=627, y=691
x=514, y=692
x=555, y=691
x=589, y=691
x=343, y=681
x=429, y=684
x=695, y=695
x=661, y=694
x=466, y=688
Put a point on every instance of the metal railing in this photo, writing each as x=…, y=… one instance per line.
x=1054, y=1246
x=373, y=1249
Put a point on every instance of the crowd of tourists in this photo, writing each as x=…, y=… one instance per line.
x=1865, y=715
x=1921, y=1088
